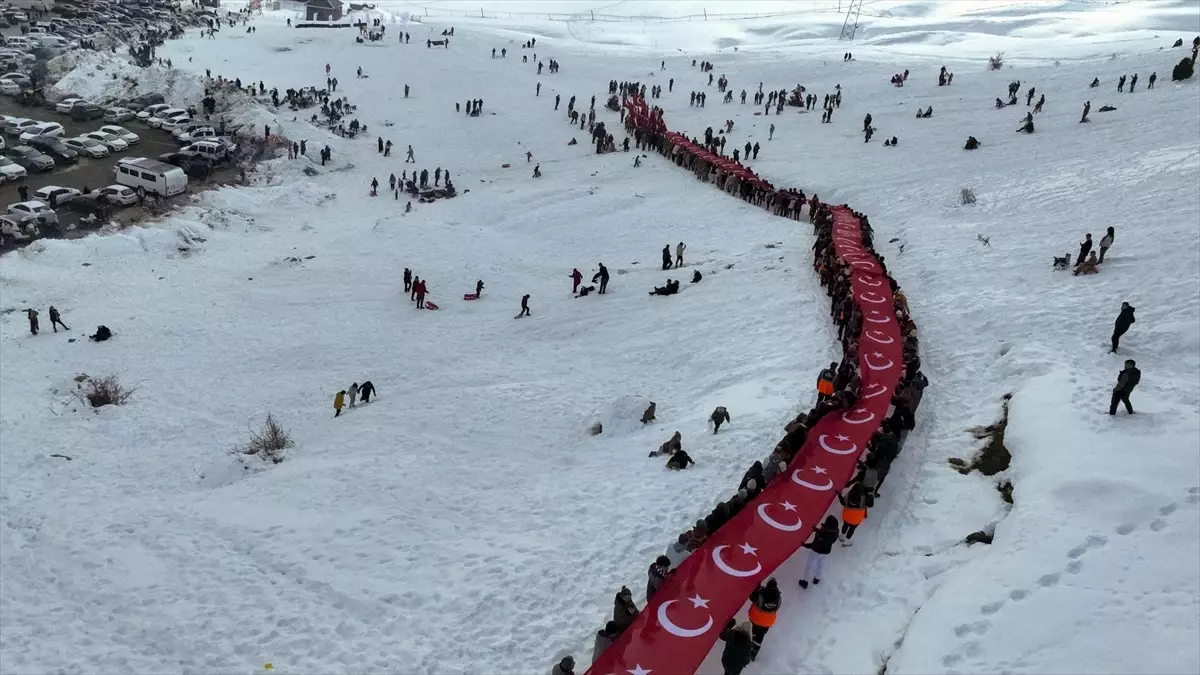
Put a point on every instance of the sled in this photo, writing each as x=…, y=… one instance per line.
x=470, y=296
x=505, y=166
x=430, y=305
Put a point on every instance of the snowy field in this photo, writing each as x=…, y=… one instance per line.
x=465, y=521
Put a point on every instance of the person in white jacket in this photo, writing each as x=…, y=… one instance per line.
x=679, y=248
x=1106, y=242
x=677, y=552
x=352, y=392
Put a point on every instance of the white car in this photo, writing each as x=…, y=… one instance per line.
x=19, y=125
x=10, y=87
x=122, y=133
x=43, y=130
x=11, y=171
x=20, y=78
x=165, y=114
x=173, y=123
x=87, y=146
x=118, y=114
x=64, y=106
x=33, y=208
x=119, y=194
x=197, y=134
x=3, y=143
x=53, y=194
x=113, y=142
x=149, y=111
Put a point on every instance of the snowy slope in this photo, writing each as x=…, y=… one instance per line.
x=465, y=521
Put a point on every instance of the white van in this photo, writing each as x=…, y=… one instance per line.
x=149, y=175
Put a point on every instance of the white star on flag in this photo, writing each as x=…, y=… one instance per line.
x=747, y=548
x=788, y=506
x=877, y=354
x=638, y=670
x=857, y=410
x=842, y=437
x=698, y=601
x=819, y=470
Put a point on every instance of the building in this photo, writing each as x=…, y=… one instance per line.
x=323, y=10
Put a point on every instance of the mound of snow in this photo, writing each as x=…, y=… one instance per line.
x=621, y=417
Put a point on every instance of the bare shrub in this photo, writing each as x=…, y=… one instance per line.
x=967, y=197
x=102, y=392
x=269, y=443
x=996, y=62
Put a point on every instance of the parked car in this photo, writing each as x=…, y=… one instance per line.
x=64, y=106
x=139, y=103
x=56, y=149
x=29, y=158
x=121, y=132
x=19, y=228
x=84, y=111
x=91, y=203
x=20, y=78
x=54, y=194
x=197, y=134
x=10, y=171
x=113, y=142
x=44, y=130
x=33, y=208
x=9, y=88
x=173, y=123
x=149, y=111
x=118, y=114
x=210, y=150
x=16, y=126
x=165, y=114
x=87, y=146
x=118, y=194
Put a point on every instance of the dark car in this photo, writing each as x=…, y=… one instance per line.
x=174, y=158
x=31, y=159
x=84, y=111
x=92, y=202
x=56, y=149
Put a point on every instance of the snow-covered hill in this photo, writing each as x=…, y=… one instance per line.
x=465, y=521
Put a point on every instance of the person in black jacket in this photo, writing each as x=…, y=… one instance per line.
x=819, y=545
x=366, y=391
x=604, y=639
x=738, y=647
x=602, y=277
x=1124, y=321
x=680, y=460
x=624, y=611
x=1127, y=379
x=667, y=257
x=764, y=603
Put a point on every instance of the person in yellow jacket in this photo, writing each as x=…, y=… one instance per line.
x=338, y=402
x=764, y=604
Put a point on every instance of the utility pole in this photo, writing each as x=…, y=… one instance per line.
x=850, y=25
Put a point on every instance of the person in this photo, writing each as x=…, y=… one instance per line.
x=33, y=320
x=102, y=333
x=408, y=279
x=624, y=611
x=366, y=390
x=352, y=392
x=764, y=603
x=56, y=320
x=670, y=447
x=576, y=279
x=1087, y=107
x=719, y=416
x=819, y=545
x=854, y=510
x=413, y=289
x=680, y=461
x=524, y=306
x=677, y=552
x=537, y=171
x=679, y=248
x=564, y=667
x=825, y=382
x=479, y=288
x=1127, y=379
x=648, y=415
x=604, y=639
x=696, y=276
x=1106, y=242
x=972, y=143
x=739, y=650
x=1090, y=266
x=602, y=277
x=1124, y=321
x=657, y=575
x=1085, y=246
x=666, y=257
x=421, y=289
x=338, y=401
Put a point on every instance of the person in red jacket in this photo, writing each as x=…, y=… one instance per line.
x=524, y=306
x=421, y=290
x=576, y=279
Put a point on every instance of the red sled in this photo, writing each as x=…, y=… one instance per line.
x=430, y=305
x=470, y=296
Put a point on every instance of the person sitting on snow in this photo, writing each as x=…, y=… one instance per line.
x=679, y=461
x=670, y=447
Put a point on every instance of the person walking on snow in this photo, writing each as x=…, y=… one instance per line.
x=56, y=320
x=478, y=288
x=1106, y=242
x=353, y=393
x=819, y=545
x=576, y=279
x=338, y=401
x=421, y=289
x=666, y=257
x=367, y=390
x=407, y=280
x=854, y=510
x=1127, y=379
x=409, y=157
x=719, y=416
x=524, y=306
x=413, y=289
x=1124, y=321
x=679, y=248
x=33, y=320
x=739, y=647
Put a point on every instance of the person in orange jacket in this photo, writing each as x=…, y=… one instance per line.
x=825, y=382
x=854, y=510
x=338, y=402
x=764, y=604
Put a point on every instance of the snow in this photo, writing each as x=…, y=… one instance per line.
x=466, y=521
